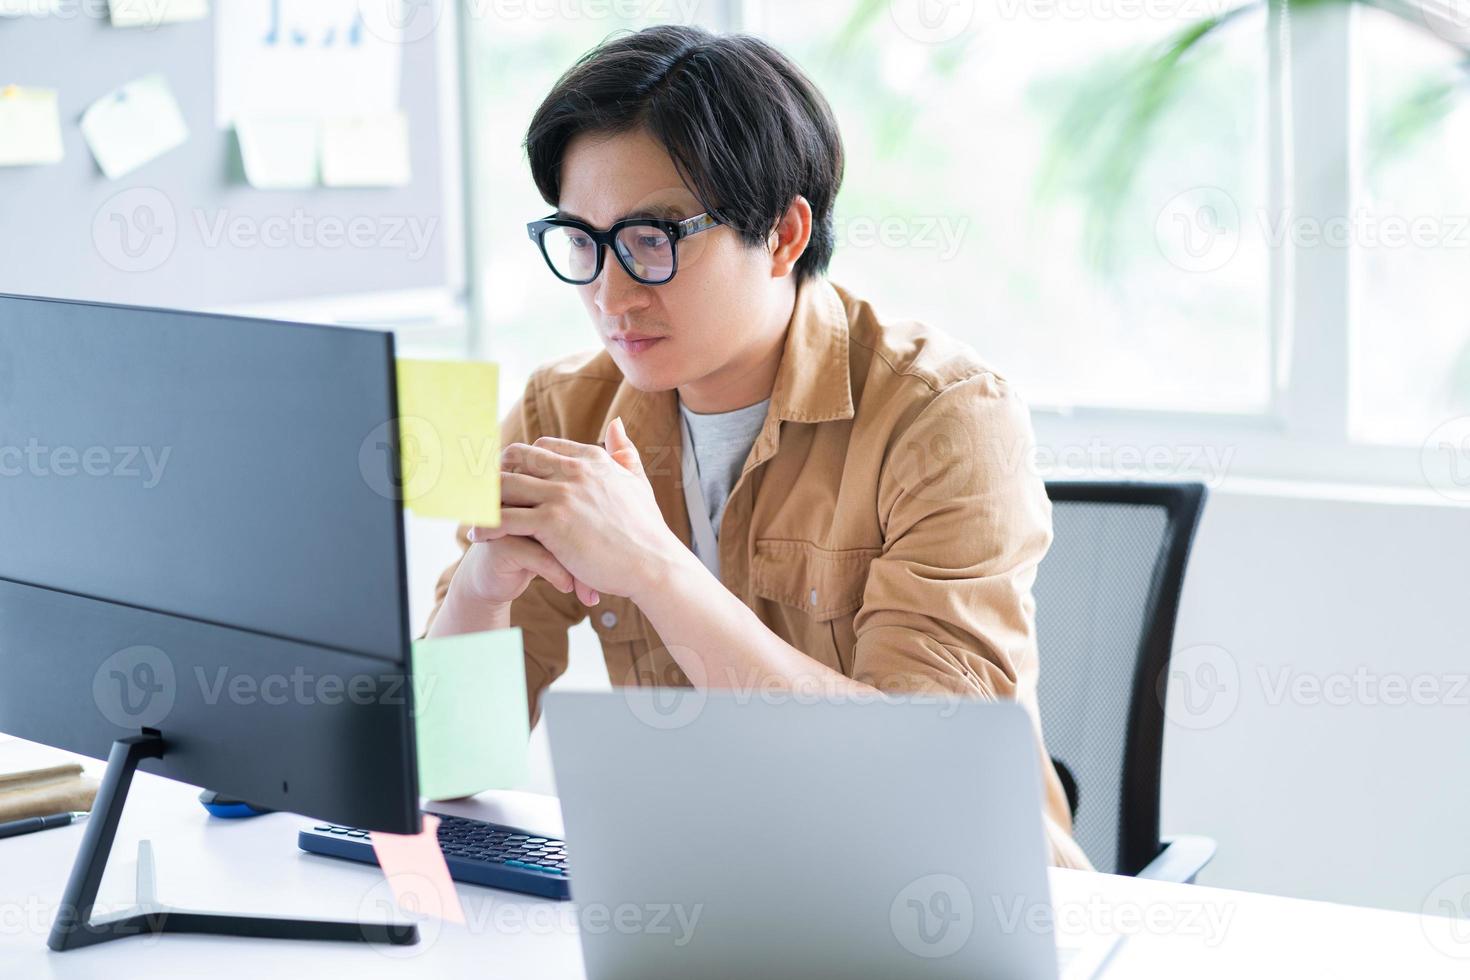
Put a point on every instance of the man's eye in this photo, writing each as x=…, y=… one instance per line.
x=652, y=241
x=579, y=241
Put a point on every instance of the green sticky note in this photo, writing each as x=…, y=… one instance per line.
x=278, y=154
x=131, y=125
x=449, y=440
x=470, y=715
x=30, y=126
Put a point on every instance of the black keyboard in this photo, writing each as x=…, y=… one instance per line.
x=477, y=852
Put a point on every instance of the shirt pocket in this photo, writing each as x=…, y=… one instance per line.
x=818, y=590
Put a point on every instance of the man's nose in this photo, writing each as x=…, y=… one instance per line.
x=617, y=292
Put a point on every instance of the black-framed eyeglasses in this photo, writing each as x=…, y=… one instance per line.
x=647, y=248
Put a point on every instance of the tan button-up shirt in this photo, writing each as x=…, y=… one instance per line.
x=886, y=522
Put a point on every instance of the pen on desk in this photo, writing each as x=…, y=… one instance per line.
x=32, y=824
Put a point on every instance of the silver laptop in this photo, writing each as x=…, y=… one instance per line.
x=770, y=835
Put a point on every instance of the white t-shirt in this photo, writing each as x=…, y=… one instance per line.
x=722, y=441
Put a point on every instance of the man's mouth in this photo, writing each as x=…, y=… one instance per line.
x=634, y=343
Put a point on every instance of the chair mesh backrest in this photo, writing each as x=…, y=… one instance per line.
x=1091, y=591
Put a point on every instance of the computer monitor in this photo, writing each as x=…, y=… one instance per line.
x=202, y=572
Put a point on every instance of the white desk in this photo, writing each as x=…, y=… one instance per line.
x=253, y=866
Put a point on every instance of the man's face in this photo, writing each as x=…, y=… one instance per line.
x=699, y=324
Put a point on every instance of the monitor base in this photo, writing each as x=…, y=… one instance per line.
x=75, y=928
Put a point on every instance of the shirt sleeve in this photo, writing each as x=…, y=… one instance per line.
x=948, y=608
x=543, y=614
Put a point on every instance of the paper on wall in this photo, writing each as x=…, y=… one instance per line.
x=366, y=151
x=151, y=13
x=28, y=8
x=30, y=127
x=133, y=124
x=278, y=154
x=304, y=59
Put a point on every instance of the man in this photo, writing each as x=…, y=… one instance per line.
x=792, y=494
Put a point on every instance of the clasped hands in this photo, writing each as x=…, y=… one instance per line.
x=580, y=516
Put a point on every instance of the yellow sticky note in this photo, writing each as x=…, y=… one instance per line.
x=279, y=154
x=30, y=126
x=470, y=717
x=366, y=151
x=449, y=440
x=151, y=13
x=131, y=125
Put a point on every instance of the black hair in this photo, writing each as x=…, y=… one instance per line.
x=747, y=130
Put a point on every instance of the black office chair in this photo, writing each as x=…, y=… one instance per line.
x=1107, y=595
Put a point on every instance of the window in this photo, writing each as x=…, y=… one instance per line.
x=983, y=193
x=1411, y=233
x=1150, y=280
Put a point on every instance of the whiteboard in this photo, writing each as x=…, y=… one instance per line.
x=185, y=230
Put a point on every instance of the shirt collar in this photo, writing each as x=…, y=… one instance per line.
x=812, y=382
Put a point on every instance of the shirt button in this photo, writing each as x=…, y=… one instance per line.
x=814, y=597
x=609, y=619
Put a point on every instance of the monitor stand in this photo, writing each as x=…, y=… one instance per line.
x=74, y=926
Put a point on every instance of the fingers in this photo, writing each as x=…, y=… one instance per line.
x=522, y=521
x=621, y=448
x=533, y=557
x=479, y=535
x=537, y=460
x=568, y=447
x=524, y=489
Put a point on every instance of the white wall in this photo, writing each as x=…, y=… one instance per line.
x=1362, y=802
x=1349, y=782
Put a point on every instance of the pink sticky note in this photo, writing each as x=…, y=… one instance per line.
x=415, y=869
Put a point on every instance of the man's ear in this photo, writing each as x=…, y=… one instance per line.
x=790, y=237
